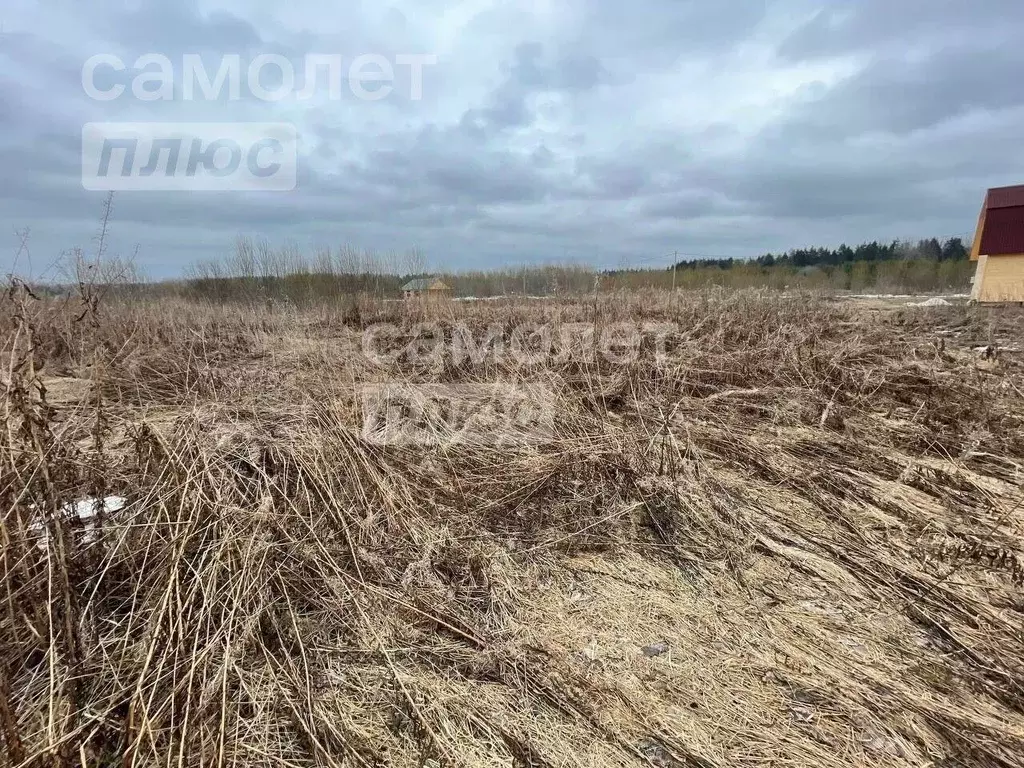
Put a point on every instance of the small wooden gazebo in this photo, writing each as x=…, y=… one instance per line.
x=426, y=287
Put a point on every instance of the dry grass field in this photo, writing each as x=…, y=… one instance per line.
x=791, y=535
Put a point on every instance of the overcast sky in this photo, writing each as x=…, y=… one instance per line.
x=548, y=130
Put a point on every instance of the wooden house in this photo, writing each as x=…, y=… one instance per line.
x=999, y=247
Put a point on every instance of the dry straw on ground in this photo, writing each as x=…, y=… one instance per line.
x=796, y=540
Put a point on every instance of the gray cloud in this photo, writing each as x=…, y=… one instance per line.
x=893, y=94
x=871, y=25
x=548, y=130
x=166, y=27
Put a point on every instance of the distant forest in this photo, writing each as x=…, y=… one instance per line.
x=257, y=271
x=927, y=266
x=927, y=250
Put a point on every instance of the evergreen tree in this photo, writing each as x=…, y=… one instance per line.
x=954, y=250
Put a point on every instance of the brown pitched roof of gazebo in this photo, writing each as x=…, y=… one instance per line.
x=1005, y=197
x=426, y=284
x=1002, y=231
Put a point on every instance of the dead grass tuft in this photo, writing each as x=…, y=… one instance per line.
x=796, y=538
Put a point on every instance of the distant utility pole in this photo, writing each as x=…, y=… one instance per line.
x=675, y=261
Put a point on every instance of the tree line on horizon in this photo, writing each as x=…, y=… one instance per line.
x=930, y=249
x=258, y=271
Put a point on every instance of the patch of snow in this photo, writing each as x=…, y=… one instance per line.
x=501, y=298
x=880, y=296
x=902, y=296
x=88, y=509
x=86, y=512
x=937, y=301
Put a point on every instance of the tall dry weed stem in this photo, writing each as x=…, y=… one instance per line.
x=795, y=538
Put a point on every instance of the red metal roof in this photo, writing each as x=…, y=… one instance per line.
x=1004, y=230
x=1005, y=197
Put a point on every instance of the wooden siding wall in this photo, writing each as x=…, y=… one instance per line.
x=1000, y=278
